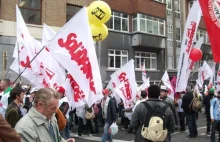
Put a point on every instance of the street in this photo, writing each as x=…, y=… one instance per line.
x=177, y=136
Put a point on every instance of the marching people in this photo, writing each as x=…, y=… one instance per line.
x=181, y=112
x=40, y=123
x=13, y=113
x=215, y=116
x=189, y=113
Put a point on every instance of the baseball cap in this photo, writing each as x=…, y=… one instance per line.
x=34, y=89
x=164, y=88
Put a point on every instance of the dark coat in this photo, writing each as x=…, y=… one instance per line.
x=7, y=134
x=111, y=111
x=139, y=116
x=13, y=114
x=186, y=101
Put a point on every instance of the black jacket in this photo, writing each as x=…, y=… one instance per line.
x=111, y=111
x=139, y=117
x=186, y=101
x=206, y=102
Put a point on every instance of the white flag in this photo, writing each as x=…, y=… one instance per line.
x=166, y=82
x=144, y=73
x=47, y=35
x=218, y=80
x=205, y=72
x=124, y=79
x=74, y=94
x=187, y=42
x=111, y=85
x=212, y=78
x=191, y=63
x=73, y=48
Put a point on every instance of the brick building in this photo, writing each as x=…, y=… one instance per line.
x=148, y=31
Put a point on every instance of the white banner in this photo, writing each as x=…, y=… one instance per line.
x=218, y=80
x=144, y=73
x=212, y=79
x=166, y=81
x=186, y=45
x=73, y=48
x=124, y=79
x=205, y=72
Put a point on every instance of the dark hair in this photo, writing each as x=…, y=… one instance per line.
x=7, y=81
x=143, y=93
x=16, y=92
x=154, y=91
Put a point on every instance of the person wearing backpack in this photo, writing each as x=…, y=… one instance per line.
x=215, y=116
x=206, y=102
x=189, y=113
x=168, y=101
x=152, y=119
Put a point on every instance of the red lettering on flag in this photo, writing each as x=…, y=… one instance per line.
x=26, y=63
x=122, y=77
x=79, y=54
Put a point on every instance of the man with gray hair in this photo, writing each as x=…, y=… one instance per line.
x=190, y=114
x=40, y=123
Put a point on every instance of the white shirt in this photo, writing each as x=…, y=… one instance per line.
x=180, y=109
x=4, y=104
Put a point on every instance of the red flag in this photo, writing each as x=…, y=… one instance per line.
x=211, y=13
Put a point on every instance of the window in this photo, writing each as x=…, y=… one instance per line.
x=169, y=8
x=170, y=32
x=117, y=58
x=71, y=10
x=177, y=60
x=159, y=1
x=150, y=60
x=178, y=44
x=31, y=11
x=118, y=22
x=204, y=34
x=148, y=24
x=170, y=62
x=177, y=9
x=178, y=34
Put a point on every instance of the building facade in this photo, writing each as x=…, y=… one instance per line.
x=148, y=31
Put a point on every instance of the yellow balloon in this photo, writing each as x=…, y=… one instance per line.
x=90, y=20
x=99, y=12
x=99, y=32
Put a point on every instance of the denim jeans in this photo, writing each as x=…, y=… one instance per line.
x=191, y=120
x=215, y=124
x=65, y=133
x=106, y=136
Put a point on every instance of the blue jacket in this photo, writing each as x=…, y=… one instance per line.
x=215, y=109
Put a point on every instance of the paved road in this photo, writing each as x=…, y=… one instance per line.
x=177, y=136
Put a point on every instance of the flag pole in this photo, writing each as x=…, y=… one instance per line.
x=19, y=71
x=29, y=64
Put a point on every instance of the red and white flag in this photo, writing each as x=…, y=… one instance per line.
x=124, y=79
x=73, y=92
x=166, y=81
x=218, y=80
x=191, y=63
x=73, y=48
x=205, y=72
x=186, y=45
x=210, y=11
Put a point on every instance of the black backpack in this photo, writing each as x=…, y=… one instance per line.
x=155, y=128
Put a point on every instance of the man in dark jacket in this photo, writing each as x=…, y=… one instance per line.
x=206, y=102
x=190, y=114
x=109, y=113
x=13, y=113
x=140, y=113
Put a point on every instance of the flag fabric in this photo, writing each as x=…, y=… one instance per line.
x=124, y=79
x=73, y=48
x=47, y=35
x=73, y=92
x=173, y=83
x=213, y=77
x=144, y=73
x=191, y=63
x=210, y=11
x=187, y=42
x=111, y=85
x=218, y=80
x=166, y=82
x=205, y=72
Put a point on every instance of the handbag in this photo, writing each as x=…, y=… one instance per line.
x=90, y=115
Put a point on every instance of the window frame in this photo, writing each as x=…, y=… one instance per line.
x=152, y=20
x=31, y=9
x=67, y=4
x=170, y=31
x=114, y=55
x=177, y=12
x=159, y=1
x=121, y=19
x=178, y=35
x=171, y=56
x=141, y=57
